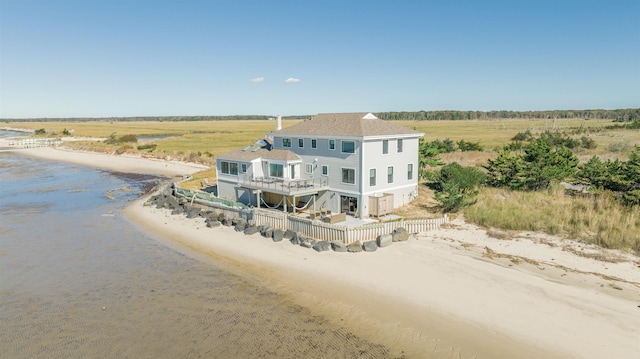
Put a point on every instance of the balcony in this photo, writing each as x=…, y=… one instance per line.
x=286, y=187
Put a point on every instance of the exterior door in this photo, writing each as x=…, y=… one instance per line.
x=348, y=205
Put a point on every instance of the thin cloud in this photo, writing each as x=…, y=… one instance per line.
x=292, y=80
x=257, y=80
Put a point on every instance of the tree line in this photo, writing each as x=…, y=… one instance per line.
x=622, y=115
x=155, y=118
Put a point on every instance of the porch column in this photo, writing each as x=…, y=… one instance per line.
x=285, y=203
x=294, y=204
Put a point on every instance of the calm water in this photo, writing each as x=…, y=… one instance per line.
x=78, y=280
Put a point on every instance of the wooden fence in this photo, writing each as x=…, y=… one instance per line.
x=332, y=232
x=36, y=142
x=310, y=228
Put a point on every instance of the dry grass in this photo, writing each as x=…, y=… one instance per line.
x=155, y=128
x=425, y=206
x=598, y=220
x=496, y=133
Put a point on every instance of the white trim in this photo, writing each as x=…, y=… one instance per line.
x=388, y=189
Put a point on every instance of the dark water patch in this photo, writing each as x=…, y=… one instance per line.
x=145, y=182
x=157, y=137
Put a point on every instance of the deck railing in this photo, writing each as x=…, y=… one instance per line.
x=284, y=186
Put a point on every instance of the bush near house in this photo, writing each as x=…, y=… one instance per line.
x=455, y=186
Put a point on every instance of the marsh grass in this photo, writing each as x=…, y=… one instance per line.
x=592, y=219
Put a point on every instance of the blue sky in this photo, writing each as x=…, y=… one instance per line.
x=101, y=58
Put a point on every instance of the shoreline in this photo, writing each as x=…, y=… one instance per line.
x=440, y=293
x=120, y=163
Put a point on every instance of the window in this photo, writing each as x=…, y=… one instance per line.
x=233, y=168
x=325, y=170
x=276, y=170
x=300, y=142
x=385, y=147
x=286, y=142
x=308, y=168
x=332, y=144
x=229, y=168
x=314, y=143
x=400, y=145
x=410, y=171
x=348, y=147
x=372, y=177
x=390, y=174
x=243, y=168
x=349, y=176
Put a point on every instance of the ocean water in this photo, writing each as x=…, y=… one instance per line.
x=77, y=280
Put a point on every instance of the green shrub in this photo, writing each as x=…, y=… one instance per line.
x=455, y=186
x=148, y=147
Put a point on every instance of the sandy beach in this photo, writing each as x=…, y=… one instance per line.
x=131, y=164
x=457, y=292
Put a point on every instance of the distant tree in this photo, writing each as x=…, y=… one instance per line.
x=40, y=131
x=469, y=146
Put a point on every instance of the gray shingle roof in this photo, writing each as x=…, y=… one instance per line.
x=357, y=124
x=260, y=149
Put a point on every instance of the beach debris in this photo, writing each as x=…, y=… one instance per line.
x=251, y=230
x=266, y=231
x=354, y=247
x=322, y=246
x=384, y=240
x=278, y=235
x=296, y=239
x=240, y=224
x=400, y=234
x=338, y=246
x=370, y=246
x=193, y=212
x=212, y=223
x=308, y=242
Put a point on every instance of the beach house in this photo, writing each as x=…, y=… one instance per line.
x=352, y=163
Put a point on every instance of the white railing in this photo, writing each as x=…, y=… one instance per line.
x=331, y=232
x=36, y=142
